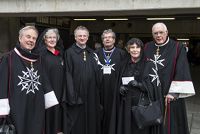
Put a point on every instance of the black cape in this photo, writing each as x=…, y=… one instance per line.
x=82, y=95
x=54, y=67
x=108, y=86
x=173, y=69
x=141, y=72
x=27, y=89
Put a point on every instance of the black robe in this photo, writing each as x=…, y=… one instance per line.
x=108, y=86
x=82, y=95
x=174, y=73
x=54, y=66
x=141, y=71
x=26, y=87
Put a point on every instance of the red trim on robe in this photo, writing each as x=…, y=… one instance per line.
x=56, y=53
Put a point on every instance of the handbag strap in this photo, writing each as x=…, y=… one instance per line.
x=148, y=96
x=142, y=95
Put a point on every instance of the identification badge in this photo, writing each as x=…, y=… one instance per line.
x=106, y=70
x=126, y=80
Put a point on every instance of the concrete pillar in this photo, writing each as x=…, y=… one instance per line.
x=9, y=32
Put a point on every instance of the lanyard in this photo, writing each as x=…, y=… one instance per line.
x=107, y=59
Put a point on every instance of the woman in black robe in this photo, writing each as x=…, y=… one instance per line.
x=51, y=50
x=135, y=80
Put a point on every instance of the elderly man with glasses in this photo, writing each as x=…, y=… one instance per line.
x=170, y=60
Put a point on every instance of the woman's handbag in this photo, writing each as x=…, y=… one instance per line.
x=149, y=114
x=6, y=126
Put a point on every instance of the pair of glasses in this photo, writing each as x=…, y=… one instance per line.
x=51, y=37
x=84, y=36
x=159, y=33
x=107, y=37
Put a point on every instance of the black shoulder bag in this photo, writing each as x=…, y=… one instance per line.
x=6, y=125
x=147, y=114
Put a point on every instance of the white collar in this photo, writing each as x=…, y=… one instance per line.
x=81, y=46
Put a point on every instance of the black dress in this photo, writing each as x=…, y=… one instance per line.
x=82, y=95
x=109, y=81
x=54, y=67
x=174, y=74
x=141, y=71
x=28, y=92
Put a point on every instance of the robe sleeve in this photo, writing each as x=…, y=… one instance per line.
x=4, y=87
x=182, y=82
x=49, y=95
x=70, y=95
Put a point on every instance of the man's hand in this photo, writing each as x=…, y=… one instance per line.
x=169, y=98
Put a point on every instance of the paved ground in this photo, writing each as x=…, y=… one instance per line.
x=193, y=103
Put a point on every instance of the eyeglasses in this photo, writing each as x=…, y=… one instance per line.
x=84, y=36
x=159, y=33
x=51, y=37
x=107, y=37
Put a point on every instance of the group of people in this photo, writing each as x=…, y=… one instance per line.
x=46, y=90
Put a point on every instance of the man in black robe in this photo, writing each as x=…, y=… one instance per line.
x=170, y=60
x=81, y=97
x=108, y=59
x=24, y=87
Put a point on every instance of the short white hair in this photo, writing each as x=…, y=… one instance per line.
x=108, y=31
x=21, y=31
x=52, y=30
x=81, y=28
x=160, y=24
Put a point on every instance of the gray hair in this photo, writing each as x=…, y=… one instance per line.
x=81, y=28
x=21, y=31
x=106, y=32
x=160, y=24
x=52, y=30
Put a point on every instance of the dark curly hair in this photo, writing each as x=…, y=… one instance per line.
x=138, y=42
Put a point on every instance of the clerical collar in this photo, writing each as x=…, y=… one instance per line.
x=109, y=50
x=81, y=46
x=160, y=45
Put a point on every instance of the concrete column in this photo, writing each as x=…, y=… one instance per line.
x=9, y=32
